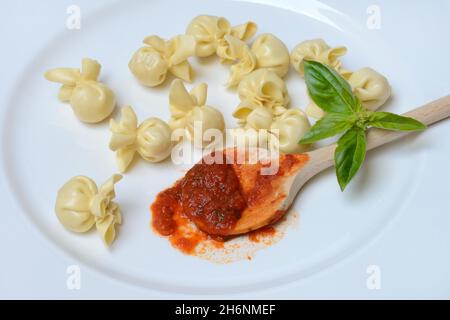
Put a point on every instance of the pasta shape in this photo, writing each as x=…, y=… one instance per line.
x=150, y=64
x=151, y=139
x=80, y=205
x=245, y=60
x=259, y=118
x=91, y=101
x=208, y=117
x=317, y=50
x=271, y=53
x=244, y=31
x=267, y=52
x=282, y=132
x=209, y=32
x=190, y=109
x=370, y=87
x=290, y=127
x=261, y=88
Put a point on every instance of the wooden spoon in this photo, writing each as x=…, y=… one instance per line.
x=323, y=158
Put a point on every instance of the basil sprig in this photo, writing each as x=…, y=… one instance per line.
x=346, y=115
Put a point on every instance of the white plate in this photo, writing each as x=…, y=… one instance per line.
x=44, y=145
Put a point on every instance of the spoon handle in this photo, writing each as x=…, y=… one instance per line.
x=430, y=113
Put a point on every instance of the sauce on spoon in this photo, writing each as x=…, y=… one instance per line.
x=222, y=199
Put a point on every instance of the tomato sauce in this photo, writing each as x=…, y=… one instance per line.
x=210, y=196
x=169, y=220
x=264, y=232
x=213, y=197
x=164, y=209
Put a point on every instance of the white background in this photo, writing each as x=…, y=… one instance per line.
x=413, y=252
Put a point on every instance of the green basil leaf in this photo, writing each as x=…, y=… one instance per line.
x=349, y=155
x=391, y=121
x=329, y=90
x=330, y=125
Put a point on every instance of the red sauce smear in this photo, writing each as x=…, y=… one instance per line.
x=209, y=194
x=264, y=232
x=169, y=220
